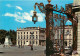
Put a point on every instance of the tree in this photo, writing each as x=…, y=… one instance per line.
x=2, y=36
x=11, y=33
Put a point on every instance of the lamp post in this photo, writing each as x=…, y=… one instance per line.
x=48, y=10
x=63, y=35
x=34, y=17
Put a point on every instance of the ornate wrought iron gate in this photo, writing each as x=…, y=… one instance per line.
x=55, y=19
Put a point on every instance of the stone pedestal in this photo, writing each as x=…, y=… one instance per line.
x=6, y=41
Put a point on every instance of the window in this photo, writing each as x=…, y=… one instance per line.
x=27, y=32
x=21, y=32
x=24, y=36
x=30, y=42
x=33, y=42
x=33, y=37
x=21, y=42
x=65, y=43
x=30, y=36
x=36, y=36
x=21, y=36
x=24, y=32
x=27, y=36
x=24, y=42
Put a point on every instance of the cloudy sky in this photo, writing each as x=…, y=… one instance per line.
x=18, y=13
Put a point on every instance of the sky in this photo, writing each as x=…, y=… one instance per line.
x=18, y=13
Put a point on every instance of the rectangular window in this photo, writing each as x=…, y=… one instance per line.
x=24, y=32
x=21, y=42
x=21, y=32
x=24, y=42
x=33, y=37
x=33, y=42
x=30, y=42
x=30, y=36
x=21, y=36
x=27, y=36
x=24, y=36
x=36, y=37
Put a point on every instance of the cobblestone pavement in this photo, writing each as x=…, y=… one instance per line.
x=15, y=51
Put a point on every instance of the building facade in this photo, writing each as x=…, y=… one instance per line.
x=68, y=36
x=31, y=36
x=37, y=36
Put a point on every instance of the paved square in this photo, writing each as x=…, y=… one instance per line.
x=26, y=51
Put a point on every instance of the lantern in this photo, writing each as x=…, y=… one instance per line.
x=34, y=17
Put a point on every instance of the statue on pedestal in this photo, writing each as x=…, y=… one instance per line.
x=7, y=42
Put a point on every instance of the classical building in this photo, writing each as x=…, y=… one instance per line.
x=31, y=36
x=68, y=35
x=37, y=36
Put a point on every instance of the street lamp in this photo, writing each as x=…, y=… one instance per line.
x=48, y=11
x=34, y=17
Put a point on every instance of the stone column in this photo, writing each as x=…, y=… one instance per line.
x=78, y=38
x=76, y=35
x=76, y=47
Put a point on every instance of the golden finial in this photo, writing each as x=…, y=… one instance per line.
x=49, y=1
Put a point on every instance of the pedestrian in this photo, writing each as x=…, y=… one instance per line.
x=31, y=47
